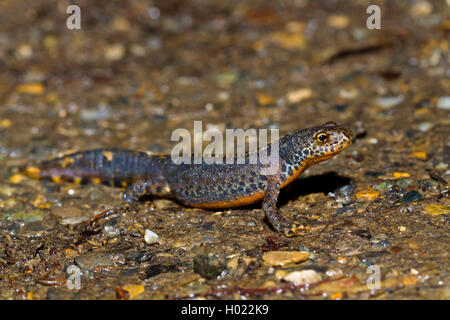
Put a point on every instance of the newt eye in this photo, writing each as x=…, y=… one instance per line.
x=322, y=137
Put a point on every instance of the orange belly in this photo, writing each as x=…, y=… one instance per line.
x=232, y=203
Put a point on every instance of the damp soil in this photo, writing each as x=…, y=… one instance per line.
x=137, y=71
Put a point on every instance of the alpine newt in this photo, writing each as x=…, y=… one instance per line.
x=210, y=186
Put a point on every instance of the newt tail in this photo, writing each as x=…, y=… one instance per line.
x=210, y=186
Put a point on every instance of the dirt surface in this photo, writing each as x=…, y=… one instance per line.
x=136, y=71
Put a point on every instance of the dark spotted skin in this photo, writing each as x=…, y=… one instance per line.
x=203, y=185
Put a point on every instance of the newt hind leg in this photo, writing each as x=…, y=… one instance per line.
x=157, y=186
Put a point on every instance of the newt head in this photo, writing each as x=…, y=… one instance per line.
x=323, y=142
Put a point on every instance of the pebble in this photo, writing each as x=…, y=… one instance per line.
x=346, y=190
x=137, y=50
x=24, y=51
x=111, y=231
x=150, y=237
x=348, y=93
x=289, y=40
x=421, y=8
x=227, y=78
x=120, y=24
x=370, y=257
x=264, y=99
x=367, y=194
x=418, y=155
x=8, y=203
x=138, y=256
x=134, y=289
x=389, y=102
x=399, y=175
x=76, y=220
x=383, y=186
x=100, y=113
x=444, y=103
x=67, y=212
x=299, y=95
x=425, y=126
x=31, y=88
x=441, y=166
x=281, y=258
x=437, y=209
x=338, y=21
x=412, y=195
x=26, y=216
x=7, y=191
x=5, y=123
x=70, y=253
x=94, y=259
x=114, y=52
x=303, y=277
x=206, y=263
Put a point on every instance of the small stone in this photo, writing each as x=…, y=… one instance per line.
x=137, y=50
x=334, y=273
x=134, y=289
x=69, y=221
x=441, y=166
x=114, y=52
x=31, y=88
x=437, y=209
x=414, y=272
x=410, y=196
x=68, y=212
x=227, y=78
x=111, y=231
x=24, y=51
x=303, y=277
x=418, y=155
x=400, y=175
x=94, y=259
x=264, y=99
x=367, y=194
x=425, y=126
x=16, y=178
x=208, y=265
x=5, y=123
x=348, y=93
x=389, y=102
x=299, y=95
x=120, y=24
x=338, y=21
x=383, y=186
x=138, y=256
x=26, y=216
x=289, y=40
x=100, y=113
x=281, y=258
x=280, y=274
x=150, y=237
x=444, y=103
x=70, y=253
x=370, y=257
x=421, y=8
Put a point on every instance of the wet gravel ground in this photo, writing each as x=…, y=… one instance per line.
x=138, y=70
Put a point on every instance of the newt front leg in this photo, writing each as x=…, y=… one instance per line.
x=269, y=207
